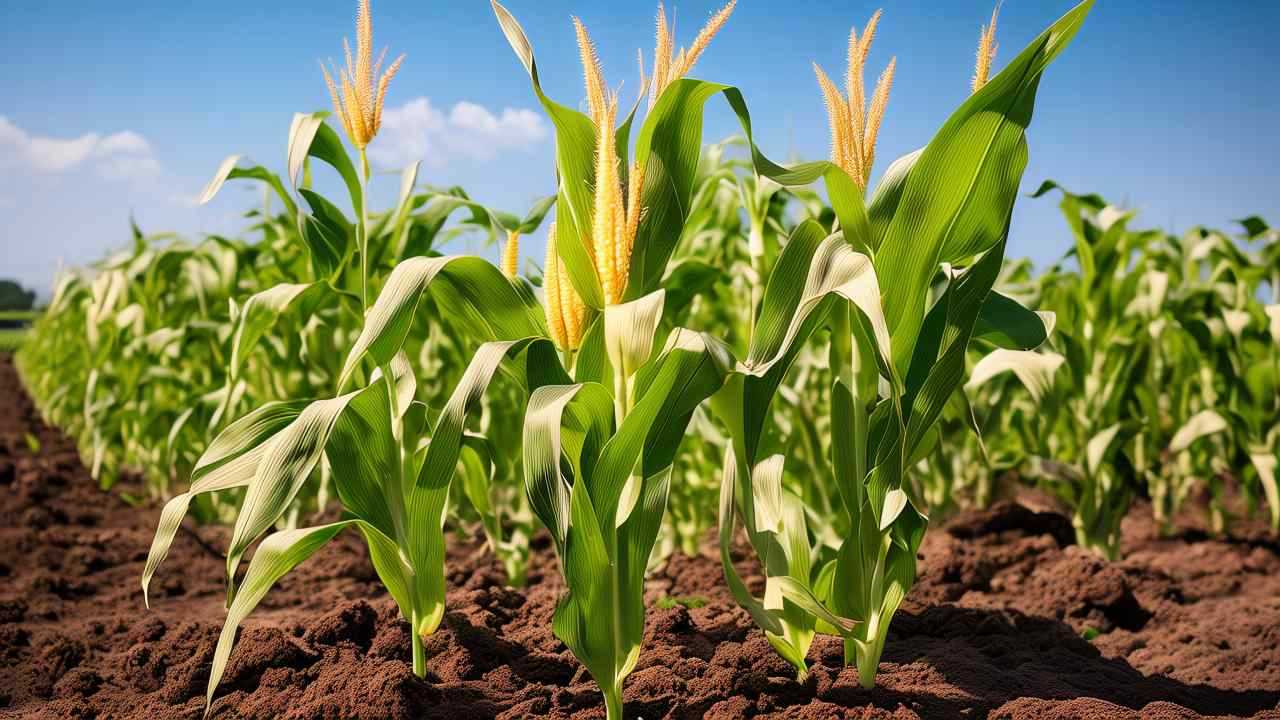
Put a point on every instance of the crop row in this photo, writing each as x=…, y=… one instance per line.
x=705, y=330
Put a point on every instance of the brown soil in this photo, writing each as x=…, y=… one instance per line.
x=1186, y=626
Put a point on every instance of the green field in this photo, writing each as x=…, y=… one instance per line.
x=11, y=337
x=11, y=340
x=713, y=341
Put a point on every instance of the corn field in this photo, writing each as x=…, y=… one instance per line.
x=804, y=367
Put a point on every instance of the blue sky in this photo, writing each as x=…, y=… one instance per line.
x=113, y=108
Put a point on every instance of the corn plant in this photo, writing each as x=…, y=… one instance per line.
x=598, y=453
x=1051, y=436
x=156, y=348
x=895, y=356
x=106, y=363
x=390, y=460
x=1226, y=297
x=838, y=338
x=1160, y=340
x=737, y=223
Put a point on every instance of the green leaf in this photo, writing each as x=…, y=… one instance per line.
x=365, y=460
x=1092, y=201
x=575, y=161
x=689, y=369
x=888, y=193
x=765, y=618
x=499, y=308
x=533, y=219
x=310, y=136
x=228, y=170
x=629, y=329
x=276, y=555
x=545, y=483
x=1254, y=226
x=668, y=148
x=287, y=461
x=261, y=311
x=1265, y=463
x=1100, y=446
x=835, y=269
x=327, y=234
x=230, y=461
x=1201, y=425
x=1035, y=370
x=960, y=192
x=1005, y=323
x=766, y=495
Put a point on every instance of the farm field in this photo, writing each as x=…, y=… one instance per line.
x=13, y=327
x=11, y=339
x=692, y=433
x=996, y=625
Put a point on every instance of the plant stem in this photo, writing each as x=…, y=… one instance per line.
x=568, y=359
x=622, y=388
x=755, y=247
x=362, y=230
x=619, y=396
x=419, y=654
x=841, y=358
x=868, y=664
x=858, y=357
x=612, y=703
x=846, y=362
x=399, y=518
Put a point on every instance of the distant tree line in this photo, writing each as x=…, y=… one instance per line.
x=14, y=297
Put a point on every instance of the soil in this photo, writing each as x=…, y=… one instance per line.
x=1184, y=627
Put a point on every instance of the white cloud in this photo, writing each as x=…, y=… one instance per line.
x=129, y=166
x=417, y=130
x=53, y=155
x=119, y=156
x=123, y=142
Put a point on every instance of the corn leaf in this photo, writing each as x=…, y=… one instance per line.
x=575, y=157
x=328, y=236
x=231, y=460
x=1006, y=323
x=229, y=170
x=262, y=310
x=1201, y=425
x=506, y=313
x=288, y=458
x=1034, y=370
x=426, y=499
x=277, y=554
x=310, y=136
x=629, y=329
x=958, y=195
x=1265, y=463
